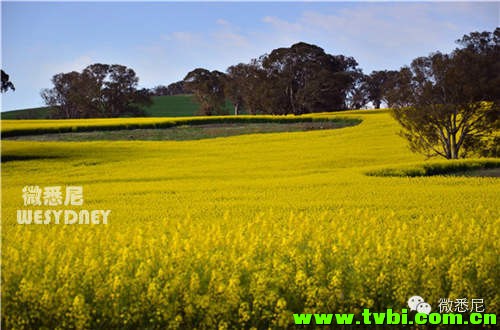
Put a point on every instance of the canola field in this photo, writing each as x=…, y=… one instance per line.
x=242, y=232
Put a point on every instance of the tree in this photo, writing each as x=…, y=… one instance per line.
x=176, y=88
x=376, y=85
x=448, y=104
x=6, y=83
x=357, y=96
x=208, y=88
x=303, y=79
x=234, y=85
x=68, y=97
x=160, y=90
x=374, y=88
x=100, y=90
x=244, y=87
x=120, y=92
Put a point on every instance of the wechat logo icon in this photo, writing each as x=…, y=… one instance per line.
x=417, y=303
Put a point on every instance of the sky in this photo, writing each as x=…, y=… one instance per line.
x=163, y=41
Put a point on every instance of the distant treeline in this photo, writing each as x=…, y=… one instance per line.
x=176, y=88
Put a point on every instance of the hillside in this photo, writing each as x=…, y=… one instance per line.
x=32, y=113
x=172, y=106
x=163, y=106
x=255, y=225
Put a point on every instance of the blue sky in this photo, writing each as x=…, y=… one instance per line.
x=164, y=41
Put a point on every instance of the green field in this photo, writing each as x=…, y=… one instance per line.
x=172, y=106
x=163, y=106
x=33, y=113
x=241, y=232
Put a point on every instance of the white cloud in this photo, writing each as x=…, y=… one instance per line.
x=282, y=25
x=230, y=39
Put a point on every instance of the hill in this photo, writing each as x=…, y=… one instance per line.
x=241, y=231
x=172, y=106
x=163, y=106
x=31, y=113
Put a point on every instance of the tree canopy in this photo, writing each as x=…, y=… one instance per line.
x=208, y=88
x=100, y=90
x=245, y=87
x=299, y=79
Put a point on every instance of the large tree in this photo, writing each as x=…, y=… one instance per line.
x=376, y=85
x=6, y=83
x=245, y=86
x=448, y=104
x=303, y=78
x=357, y=95
x=69, y=98
x=208, y=88
x=100, y=90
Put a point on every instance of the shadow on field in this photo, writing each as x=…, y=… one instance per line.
x=487, y=167
x=11, y=158
x=178, y=132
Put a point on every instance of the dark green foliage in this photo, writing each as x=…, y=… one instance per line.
x=376, y=85
x=448, y=104
x=295, y=80
x=208, y=88
x=100, y=90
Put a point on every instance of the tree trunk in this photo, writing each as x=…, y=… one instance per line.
x=292, y=103
x=236, y=106
x=453, y=147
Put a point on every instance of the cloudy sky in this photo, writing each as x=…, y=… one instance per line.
x=163, y=41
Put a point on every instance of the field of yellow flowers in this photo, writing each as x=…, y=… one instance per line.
x=242, y=232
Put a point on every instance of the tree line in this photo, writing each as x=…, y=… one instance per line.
x=296, y=80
